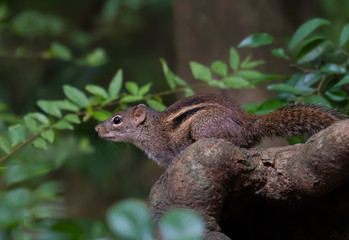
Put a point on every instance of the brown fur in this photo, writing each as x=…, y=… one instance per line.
x=163, y=135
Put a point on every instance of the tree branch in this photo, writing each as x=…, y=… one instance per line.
x=211, y=174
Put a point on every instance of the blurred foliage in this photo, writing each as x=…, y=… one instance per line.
x=51, y=44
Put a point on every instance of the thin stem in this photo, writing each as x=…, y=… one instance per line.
x=294, y=65
x=97, y=107
x=344, y=52
x=18, y=147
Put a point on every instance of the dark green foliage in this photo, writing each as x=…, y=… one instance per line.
x=36, y=144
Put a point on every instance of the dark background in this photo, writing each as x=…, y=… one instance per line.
x=134, y=35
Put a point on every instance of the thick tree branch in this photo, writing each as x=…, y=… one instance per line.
x=211, y=174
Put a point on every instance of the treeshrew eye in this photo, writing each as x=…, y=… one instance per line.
x=117, y=120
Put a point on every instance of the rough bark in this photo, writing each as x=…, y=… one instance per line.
x=213, y=176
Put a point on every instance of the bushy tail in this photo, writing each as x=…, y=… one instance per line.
x=297, y=119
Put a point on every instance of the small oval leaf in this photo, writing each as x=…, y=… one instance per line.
x=220, y=68
x=97, y=90
x=200, y=71
x=332, y=68
x=181, y=224
x=236, y=82
x=344, y=80
x=5, y=145
x=132, y=87
x=40, y=143
x=280, y=52
x=50, y=107
x=156, y=105
x=101, y=115
x=72, y=118
x=248, y=74
x=115, y=85
x=130, y=98
x=344, y=35
x=145, y=89
x=62, y=124
x=234, y=59
x=336, y=95
x=49, y=135
x=285, y=88
x=76, y=95
x=304, y=30
x=130, y=219
x=256, y=40
x=311, y=51
x=17, y=134
x=60, y=51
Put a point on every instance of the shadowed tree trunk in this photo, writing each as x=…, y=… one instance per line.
x=218, y=179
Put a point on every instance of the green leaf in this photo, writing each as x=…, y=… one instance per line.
x=248, y=74
x=285, y=88
x=4, y=12
x=17, y=172
x=31, y=24
x=170, y=77
x=269, y=106
x=39, y=116
x=49, y=135
x=220, y=68
x=31, y=124
x=40, y=143
x=76, y=95
x=316, y=99
x=60, y=51
x=245, y=61
x=5, y=145
x=188, y=92
x=132, y=87
x=62, y=124
x=145, y=89
x=181, y=224
x=311, y=51
x=215, y=83
x=304, y=30
x=96, y=58
x=156, y=105
x=332, y=68
x=101, y=115
x=256, y=40
x=50, y=107
x=130, y=219
x=268, y=77
x=97, y=90
x=200, y=71
x=130, y=98
x=344, y=35
x=115, y=85
x=305, y=81
x=251, y=108
x=234, y=59
x=180, y=81
x=336, y=95
x=17, y=134
x=18, y=197
x=236, y=82
x=72, y=118
x=344, y=80
x=49, y=190
x=280, y=52
x=252, y=64
x=67, y=105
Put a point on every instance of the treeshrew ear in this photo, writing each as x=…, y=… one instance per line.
x=138, y=114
